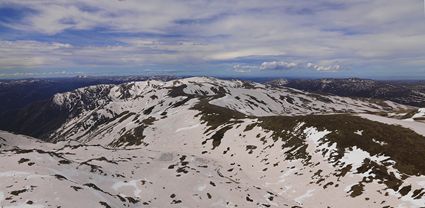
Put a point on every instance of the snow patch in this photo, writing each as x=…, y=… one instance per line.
x=408, y=198
x=420, y=113
x=299, y=125
x=359, y=132
x=315, y=135
x=356, y=156
x=58, y=99
x=379, y=142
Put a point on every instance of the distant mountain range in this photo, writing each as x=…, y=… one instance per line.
x=404, y=92
x=206, y=142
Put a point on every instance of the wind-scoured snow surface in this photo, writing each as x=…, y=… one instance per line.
x=203, y=142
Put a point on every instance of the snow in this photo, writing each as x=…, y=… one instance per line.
x=298, y=126
x=133, y=183
x=286, y=174
x=13, y=174
x=379, y=142
x=420, y=113
x=202, y=187
x=410, y=201
x=356, y=156
x=307, y=194
x=24, y=206
x=187, y=128
x=359, y=132
x=314, y=135
x=58, y=99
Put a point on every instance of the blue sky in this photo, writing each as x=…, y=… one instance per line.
x=383, y=39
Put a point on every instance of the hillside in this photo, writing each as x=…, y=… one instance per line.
x=212, y=143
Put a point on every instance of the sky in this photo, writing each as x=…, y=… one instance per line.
x=382, y=39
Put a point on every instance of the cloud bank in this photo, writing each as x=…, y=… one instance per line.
x=284, y=65
x=277, y=65
x=330, y=68
x=384, y=36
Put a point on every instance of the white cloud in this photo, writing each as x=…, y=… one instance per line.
x=328, y=68
x=244, y=68
x=52, y=17
x=278, y=65
x=284, y=65
x=27, y=54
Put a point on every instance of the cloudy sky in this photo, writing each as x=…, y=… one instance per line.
x=285, y=38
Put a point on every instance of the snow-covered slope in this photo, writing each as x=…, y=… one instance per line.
x=38, y=174
x=203, y=142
